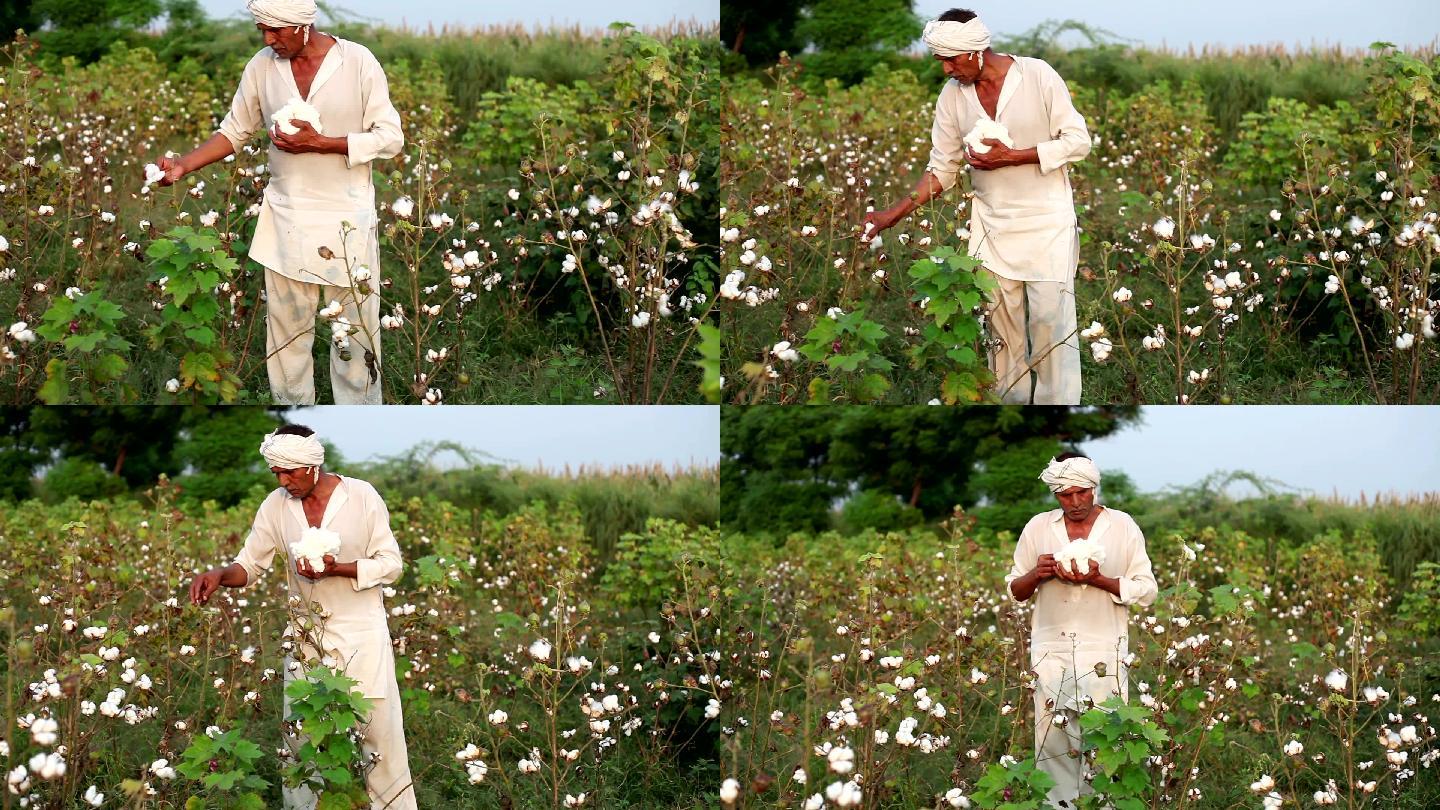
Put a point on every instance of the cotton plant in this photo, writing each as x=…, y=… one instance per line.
x=314, y=544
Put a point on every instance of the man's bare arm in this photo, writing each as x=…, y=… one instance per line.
x=1024, y=587
x=206, y=584
x=926, y=189
x=218, y=147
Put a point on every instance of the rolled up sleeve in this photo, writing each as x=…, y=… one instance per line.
x=260, y=546
x=381, y=564
x=382, y=136
x=1138, y=585
x=1025, y=560
x=1072, y=140
x=947, y=142
x=245, y=117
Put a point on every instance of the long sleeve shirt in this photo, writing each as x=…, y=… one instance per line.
x=1098, y=619
x=1022, y=223
x=355, y=632
x=310, y=195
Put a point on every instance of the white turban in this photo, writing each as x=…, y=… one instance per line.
x=282, y=13
x=947, y=38
x=1072, y=472
x=290, y=452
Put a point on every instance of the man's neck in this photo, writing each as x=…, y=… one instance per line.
x=317, y=48
x=321, y=493
x=1085, y=524
x=996, y=66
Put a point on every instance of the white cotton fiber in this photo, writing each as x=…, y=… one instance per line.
x=987, y=128
x=1081, y=552
x=294, y=110
x=314, y=544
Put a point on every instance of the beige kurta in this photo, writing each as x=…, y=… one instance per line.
x=1075, y=627
x=310, y=195
x=1022, y=223
x=356, y=634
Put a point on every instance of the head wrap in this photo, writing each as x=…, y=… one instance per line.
x=290, y=452
x=283, y=14
x=1072, y=472
x=946, y=38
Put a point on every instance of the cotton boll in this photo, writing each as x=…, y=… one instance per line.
x=1080, y=552
x=296, y=110
x=314, y=544
x=987, y=128
x=153, y=174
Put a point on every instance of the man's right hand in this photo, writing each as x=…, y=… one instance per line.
x=1046, y=568
x=173, y=170
x=205, y=585
x=877, y=221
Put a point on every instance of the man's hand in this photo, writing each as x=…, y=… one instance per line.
x=877, y=221
x=1073, y=575
x=1046, y=568
x=204, y=586
x=303, y=568
x=306, y=139
x=998, y=157
x=173, y=170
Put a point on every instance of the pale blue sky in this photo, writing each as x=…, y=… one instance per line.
x=605, y=435
x=1227, y=22
x=1323, y=449
x=419, y=13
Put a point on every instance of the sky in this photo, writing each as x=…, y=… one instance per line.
x=1225, y=22
x=1323, y=449
x=528, y=436
x=420, y=13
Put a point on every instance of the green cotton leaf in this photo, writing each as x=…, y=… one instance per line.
x=201, y=335
x=159, y=250
x=846, y=362
x=923, y=269
x=873, y=387
x=870, y=331
x=964, y=355
x=223, y=780
x=1137, y=751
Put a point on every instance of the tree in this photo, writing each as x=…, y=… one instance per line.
x=851, y=37
x=783, y=469
x=86, y=29
x=760, y=29
x=17, y=15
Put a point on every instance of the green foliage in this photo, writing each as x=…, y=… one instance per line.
x=849, y=346
x=1009, y=487
x=1123, y=738
x=950, y=286
x=1268, y=145
x=759, y=30
x=88, y=327
x=878, y=511
x=329, y=710
x=189, y=265
x=510, y=122
x=851, y=37
x=80, y=478
x=225, y=765
x=1021, y=786
x=649, y=567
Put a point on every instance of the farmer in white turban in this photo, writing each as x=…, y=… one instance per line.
x=1079, y=631
x=349, y=589
x=1010, y=119
x=324, y=105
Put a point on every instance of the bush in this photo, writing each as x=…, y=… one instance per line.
x=82, y=479
x=881, y=511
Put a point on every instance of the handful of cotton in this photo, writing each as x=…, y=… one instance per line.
x=987, y=128
x=296, y=109
x=153, y=174
x=314, y=544
x=1080, y=552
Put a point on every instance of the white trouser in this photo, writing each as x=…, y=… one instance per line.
x=1043, y=340
x=388, y=781
x=290, y=309
x=1059, y=749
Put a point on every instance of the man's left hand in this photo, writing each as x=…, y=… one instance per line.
x=998, y=157
x=306, y=139
x=302, y=567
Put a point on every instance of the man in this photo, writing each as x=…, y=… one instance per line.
x=348, y=590
x=1079, y=633
x=1022, y=224
x=317, y=224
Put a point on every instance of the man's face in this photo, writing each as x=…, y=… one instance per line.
x=298, y=482
x=285, y=42
x=1077, y=502
x=963, y=67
